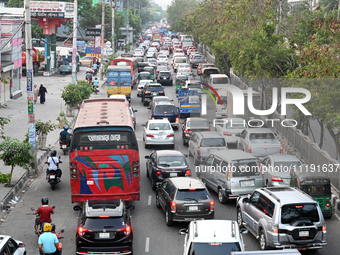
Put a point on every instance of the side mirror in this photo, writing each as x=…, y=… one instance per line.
x=76, y=208
x=147, y=156
x=183, y=231
x=62, y=231
x=130, y=207
x=135, y=110
x=238, y=135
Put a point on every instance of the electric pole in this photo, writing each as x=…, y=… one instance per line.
x=74, y=52
x=102, y=41
x=29, y=77
x=134, y=8
x=113, y=25
x=127, y=21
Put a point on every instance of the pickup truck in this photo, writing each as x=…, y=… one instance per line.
x=189, y=103
x=229, y=128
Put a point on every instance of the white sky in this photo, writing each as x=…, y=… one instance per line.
x=163, y=3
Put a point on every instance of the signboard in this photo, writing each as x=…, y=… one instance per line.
x=108, y=44
x=93, y=32
x=109, y=51
x=51, y=9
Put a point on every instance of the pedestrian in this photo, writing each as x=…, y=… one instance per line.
x=36, y=93
x=42, y=91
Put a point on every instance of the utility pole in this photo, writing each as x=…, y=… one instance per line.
x=113, y=2
x=74, y=52
x=134, y=8
x=29, y=77
x=127, y=21
x=102, y=48
x=139, y=10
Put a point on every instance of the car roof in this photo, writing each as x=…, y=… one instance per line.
x=155, y=84
x=284, y=158
x=259, y=130
x=110, y=207
x=165, y=120
x=162, y=97
x=210, y=134
x=209, y=231
x=164, y=103
x=218, y=75
x=3, y=238
x=169, y=153
x=234, y=155
x=144, y=73
x=196, y=119
x=187, y=182
x=284, y=195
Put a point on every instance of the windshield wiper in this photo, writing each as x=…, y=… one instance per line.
x=192, y=198
x=166, y=165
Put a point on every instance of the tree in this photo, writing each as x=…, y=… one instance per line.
x=177, y=12
x=15, y=153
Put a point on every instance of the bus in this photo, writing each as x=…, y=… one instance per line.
x=119, y=81
x=157, y=36
x=132, y=62
x=104, y=155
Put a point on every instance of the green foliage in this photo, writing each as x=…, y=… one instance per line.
x=15, y=153
x=74, y=94
x=127, y=47
x=3, y=122
x=62, y=116
x=5, y=178
x=178, y=11
x=43, y=128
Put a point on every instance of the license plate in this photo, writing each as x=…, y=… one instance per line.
x=52, y=176
x=64, y=146
x=173, y=174
x=304, y=233
x=164, y=77
x=104, y=235
x=154, y=93
x=247, y=183
x=193, y=208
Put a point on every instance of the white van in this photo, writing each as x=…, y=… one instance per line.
x=215, y=80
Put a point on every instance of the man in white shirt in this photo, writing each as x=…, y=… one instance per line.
x=53, y=163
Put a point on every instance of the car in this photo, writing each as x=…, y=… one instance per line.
x=158, y=132
x=202, y=144
x=217, y=237
x=141, y=66
x=282, y=218
x=201, y=66
x=10, y=246
x=277, y=169
x=162, y=58
x=141, y=86
x=165, y=52
x=165, y=110
x=178, y=60
x=164, y=78
x=161, y=69
x=162, y=63
x=157, y=54
x=133, y=116
x=150, y=90
x=184, y=65
x=191, y=125
x=163, y=164
x=197, y=59
x=150, y=54
x=260, y=142
x=152, y=61
x=104, y=226
x=160, y=99
x=229, y=128
x=86, y=61
x=185, y=71
x=184, y=199
x=138, y=53
x=194, y=85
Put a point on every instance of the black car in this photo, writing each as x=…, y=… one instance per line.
x=164, y=78
x=162, y=110
x=191, y=125
x=104, y=226
x=151, y=90
x=163, y=164
x=141, y=66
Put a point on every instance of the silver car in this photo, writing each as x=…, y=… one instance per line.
x=276, y=169
x=141, y=86
x=158, y=132
x=229, y=128
x=260, y=142
x=133, y=116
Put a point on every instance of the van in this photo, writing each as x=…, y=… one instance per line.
x=231, y=173
x=179, y=60
x=218, y=79
x=221, y=109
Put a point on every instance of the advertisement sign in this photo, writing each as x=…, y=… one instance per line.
x=93, y=32
x=51, y=9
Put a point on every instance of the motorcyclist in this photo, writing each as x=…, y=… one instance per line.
x=64, y=136
x=89, y=76
x=95, y=66
x=96, y=83
x=48, y=242
x=44, y=212
x=88, y=69
x=53, y=164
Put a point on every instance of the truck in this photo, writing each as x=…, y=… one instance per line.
x=35, y=58
x=189, y=103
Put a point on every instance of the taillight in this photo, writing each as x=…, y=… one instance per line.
x=229, y=172
x=126, y=230
x=324, y=227
x=147, y=92
x=212, y=204
x=177, y=119
x=73, y=169
x=153, y=118
x=275, y=228
x=199, y=151
x=161, y=92
x=209, y=130
x=158, y=172
x=281, y=149
x=276, y=179
x=187, y=131
x=227, y=133
x=173, y=206
x=147, y=135
x=188, y=172
x=82, y=231
x=328, y=204
x=159, y=77
x=139, y=87
x=171, y=135
x=249, y=149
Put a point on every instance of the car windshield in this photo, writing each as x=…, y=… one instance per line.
x=198, y=124
x=170, y=161
x=161, y=56
x=288, y=165
x=213, y=142
x=165, y=109
x=261, y=136
x=223, y=99
x=155, y=88
x=159, y=126
x=110, y=224
x=213, y=248
x=221, y=80
x=317, y=190
x=245, y=168
x=199, y=58
x=184, y=70
x=192, y=194
x=167, y=74
x=180, y=60
x=152, y=61
x=293, y=212
x=162, y=68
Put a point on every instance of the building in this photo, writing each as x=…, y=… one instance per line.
x=11, y=27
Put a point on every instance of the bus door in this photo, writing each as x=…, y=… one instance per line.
x=125, y=83
x=112, y=82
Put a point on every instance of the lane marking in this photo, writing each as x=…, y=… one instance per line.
x=147, y=243
x=149, y=200
x=337, y=216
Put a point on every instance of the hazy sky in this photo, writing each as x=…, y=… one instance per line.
x=163, y=3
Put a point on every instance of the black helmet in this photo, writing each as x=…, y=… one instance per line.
x=53, y=227
x=44, y=201
x=53, y=153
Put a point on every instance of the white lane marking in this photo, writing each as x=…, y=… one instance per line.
x=35, y=188
x=149, y=200
x=147, y=243
x=337, y=216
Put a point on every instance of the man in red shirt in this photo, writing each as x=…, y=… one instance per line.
x=44, y=212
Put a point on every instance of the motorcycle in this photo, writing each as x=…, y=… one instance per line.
x=40, y=230
x=52, y=177
x=65, y=147
x=95, y=89
x=89, y=80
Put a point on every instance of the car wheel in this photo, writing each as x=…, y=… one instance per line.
x=262, y=240
x=153, y=183
x=168, y=220
x=157, y=201
x=239, y=218
x=145, y=103
x=189, y=152
x=221, y=197
x=146, y=146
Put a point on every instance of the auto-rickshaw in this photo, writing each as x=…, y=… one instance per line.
x=316, y=184
x=207, y=71
x=151, y=70
x=180, y=82
x=144, y=76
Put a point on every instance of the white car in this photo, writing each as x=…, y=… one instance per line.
x=184, y=66
x=158, y=132
x=152, y=61
x=10, y=246
x=165, y=52
x=138, y=53
x=162, y=58
x=141, y=86
x=150, y=54
x=184, y=71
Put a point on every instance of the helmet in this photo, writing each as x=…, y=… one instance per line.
x=44, y=201
x=66, y=127
x=53, y=153
x=47, y=227
x=95, y=78
x=53, y=227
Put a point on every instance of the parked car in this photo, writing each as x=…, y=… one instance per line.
x=150, y=90
x=158, y=132
x=260, y=142
x=282, y=218
x=165, y=110
x=164, y=78
x=10, y=246
x=104, y=226
x=184, y=199
x=163, y=164
x=191, y=125
x=202, y=144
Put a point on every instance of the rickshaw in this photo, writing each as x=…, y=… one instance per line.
x=151, y=71
x=180, y=82
x=144, y=76
x=207, y=71
x=317, y=185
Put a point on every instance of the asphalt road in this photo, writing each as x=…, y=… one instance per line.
x=151, y=235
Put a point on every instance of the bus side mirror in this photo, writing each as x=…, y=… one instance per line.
x=147, y=156
x=76, y=208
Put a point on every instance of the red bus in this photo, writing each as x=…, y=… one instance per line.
x=104, y=156
x=132, y=62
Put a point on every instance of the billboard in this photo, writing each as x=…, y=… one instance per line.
x=51, y=9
